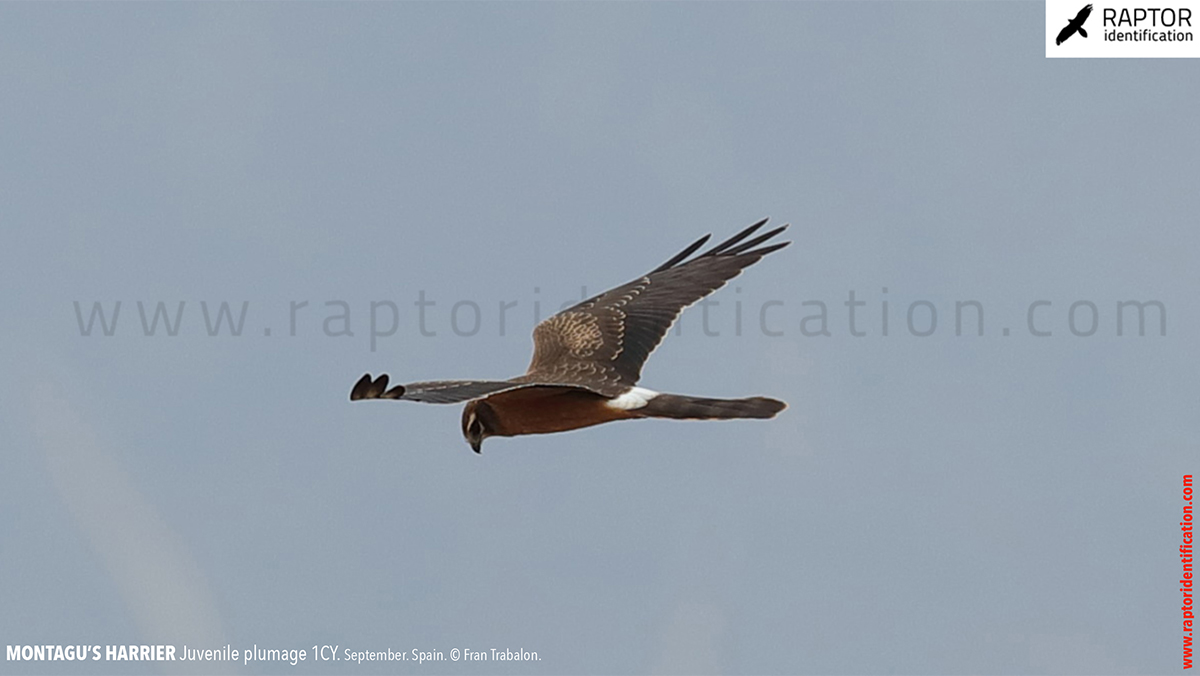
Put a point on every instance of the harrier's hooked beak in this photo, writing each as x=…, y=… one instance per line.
x=472, y=428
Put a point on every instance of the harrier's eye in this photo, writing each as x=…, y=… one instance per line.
x=475, y=428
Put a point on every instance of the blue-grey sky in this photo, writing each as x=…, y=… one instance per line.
x=998, y=504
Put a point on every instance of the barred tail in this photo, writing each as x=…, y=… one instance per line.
x=683, y=407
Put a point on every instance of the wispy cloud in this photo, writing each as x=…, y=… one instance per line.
x=163, y=588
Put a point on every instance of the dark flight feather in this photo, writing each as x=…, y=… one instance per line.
x=438, y=391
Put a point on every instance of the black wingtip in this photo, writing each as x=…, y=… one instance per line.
x=745, y=247
x=366, y=388
x=734, y=246
x=733, y=241
x=678, y=258
x=360, y=387
x=767, y=249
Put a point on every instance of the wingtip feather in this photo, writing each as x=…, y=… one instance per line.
x=747, y=246
x=368, y=388
x=679, y=257
x=733, y=241
x=767, y=249
x=357, y=392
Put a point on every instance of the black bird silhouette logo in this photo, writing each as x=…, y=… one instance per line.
x=1076, y=24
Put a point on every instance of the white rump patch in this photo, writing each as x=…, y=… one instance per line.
x=634, y=397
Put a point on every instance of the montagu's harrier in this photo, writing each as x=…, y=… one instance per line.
x=587, y=359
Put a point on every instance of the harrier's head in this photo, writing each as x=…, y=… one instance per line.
x=476, y=423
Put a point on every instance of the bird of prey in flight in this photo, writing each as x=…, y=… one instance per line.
x=587, y=359
x=1075, y=24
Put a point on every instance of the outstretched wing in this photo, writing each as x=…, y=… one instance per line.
x=603, y=341
x=433, y=392
x=437, y=391
x=1082, y=15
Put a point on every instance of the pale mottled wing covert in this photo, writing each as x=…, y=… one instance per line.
x=603, y=341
